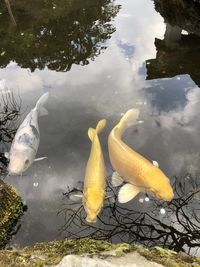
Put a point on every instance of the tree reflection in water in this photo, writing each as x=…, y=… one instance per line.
x=9, y=113
x=55, y=34
x=177, y=53
x=142, y=223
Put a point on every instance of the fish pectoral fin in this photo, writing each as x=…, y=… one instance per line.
x=7, y=155
x=39, y=159
x=116, y=179
x=76, y=196
x=128, y=192
x=155, y=163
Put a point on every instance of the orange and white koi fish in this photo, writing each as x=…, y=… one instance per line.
x=131, y=167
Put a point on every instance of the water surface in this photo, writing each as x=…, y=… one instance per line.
x=97, y=60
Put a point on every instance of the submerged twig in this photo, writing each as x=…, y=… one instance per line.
x=10, y=12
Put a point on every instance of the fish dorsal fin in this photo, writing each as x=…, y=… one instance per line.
x=128, y=192
x=155, y=163
x=92, y=132
x=116, y=179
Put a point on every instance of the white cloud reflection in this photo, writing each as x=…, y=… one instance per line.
x=105, y=88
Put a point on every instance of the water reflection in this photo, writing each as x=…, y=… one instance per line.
x=144, y=220
x=105, y=88
x=177, y=53
x=10, y=106
x=55, y=34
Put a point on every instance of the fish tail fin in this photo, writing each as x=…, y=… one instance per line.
x=100, y=126
x=129, y=119
x=39, y=105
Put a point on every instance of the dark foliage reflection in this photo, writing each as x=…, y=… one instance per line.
x=143, y=223
x=9, y=113
x=55, y=34
x=177, y=53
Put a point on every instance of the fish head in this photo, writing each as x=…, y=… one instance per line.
x=93, y=202
x=160, y=187
x=19, y=162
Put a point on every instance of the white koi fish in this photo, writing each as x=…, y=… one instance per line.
x=26, y=141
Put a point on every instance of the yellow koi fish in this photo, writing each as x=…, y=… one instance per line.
x=139, y=173
x=95, y=176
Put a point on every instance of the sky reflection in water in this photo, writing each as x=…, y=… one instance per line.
x=111, y=81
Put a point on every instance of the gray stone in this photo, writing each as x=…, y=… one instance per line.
x=129, y=260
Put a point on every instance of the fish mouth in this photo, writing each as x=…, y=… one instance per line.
x=14, y=173
x=91, y=220
x=168, y=197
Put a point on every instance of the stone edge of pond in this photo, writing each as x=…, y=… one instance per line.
x=51, y=253
x=11, y=208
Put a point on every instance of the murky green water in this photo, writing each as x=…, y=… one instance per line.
x=98, y=59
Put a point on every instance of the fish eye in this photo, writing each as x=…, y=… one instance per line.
x=27, y=162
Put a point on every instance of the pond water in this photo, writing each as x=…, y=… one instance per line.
x=97, y=59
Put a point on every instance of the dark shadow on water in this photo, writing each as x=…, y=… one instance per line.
x=55, y=34
x=174, y=225
x=177, y=53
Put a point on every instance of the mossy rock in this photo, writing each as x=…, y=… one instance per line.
x=11, y=208
x=51, y=253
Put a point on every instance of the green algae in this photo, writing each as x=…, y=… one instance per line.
x=51, y=253
x=11, y=208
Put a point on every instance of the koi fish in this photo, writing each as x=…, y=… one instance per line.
x=139, y=173
x=26, y=141
x=95, y=177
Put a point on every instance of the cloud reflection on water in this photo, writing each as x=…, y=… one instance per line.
x=105, y=88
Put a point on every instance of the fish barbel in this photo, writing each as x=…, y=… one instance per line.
x=139, y=173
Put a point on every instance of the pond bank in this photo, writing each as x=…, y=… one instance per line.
x=93, y=253
x=11, y=207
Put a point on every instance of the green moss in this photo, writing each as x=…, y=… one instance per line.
x=51, y=253
x=168, y=257
x=11, y=208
